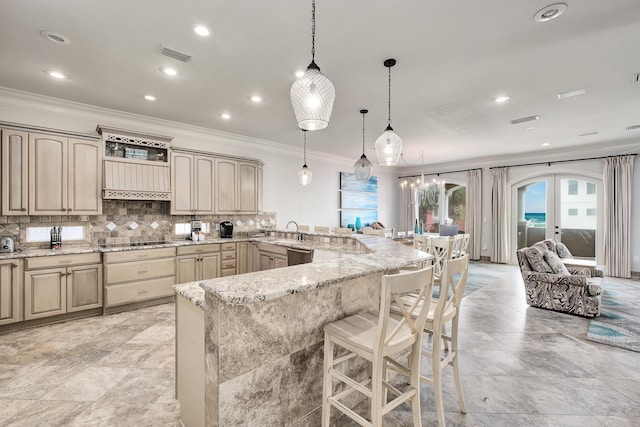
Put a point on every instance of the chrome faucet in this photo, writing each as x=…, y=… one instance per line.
x=298, y=235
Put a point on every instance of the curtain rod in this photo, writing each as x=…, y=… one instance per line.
x=561, y=161
x=438, y=173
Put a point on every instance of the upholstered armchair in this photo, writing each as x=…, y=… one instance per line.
x=550, y=284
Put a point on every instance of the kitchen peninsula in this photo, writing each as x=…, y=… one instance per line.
x=261, y=333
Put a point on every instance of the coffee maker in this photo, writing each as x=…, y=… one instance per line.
x=196, y=226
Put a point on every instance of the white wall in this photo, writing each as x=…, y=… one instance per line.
x=316, y=204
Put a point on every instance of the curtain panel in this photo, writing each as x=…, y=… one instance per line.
x=618, y=183
x=473, y=216
x=499, y=219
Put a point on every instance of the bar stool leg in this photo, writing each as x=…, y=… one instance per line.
x=456, y=367
x=327, y=386
x=436, y=364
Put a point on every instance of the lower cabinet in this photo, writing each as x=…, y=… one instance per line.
x=243, y=257
x=138, y=275
x=62, y=284
x=10, y=291
x=228, y=259
x=272, y=256
x=197, y=262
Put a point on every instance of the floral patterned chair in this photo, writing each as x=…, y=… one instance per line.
x=552, y=285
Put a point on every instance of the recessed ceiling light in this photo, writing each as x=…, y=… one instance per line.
x=572, y=93
x=225, y=116
x=169, y=71
x=546, y=144
x=502, y=98
x=55, y=37
x=150, y=97
x=550, y=12
x=57, y=75
x=256, y=98
x=202, y=30
x=299, y=73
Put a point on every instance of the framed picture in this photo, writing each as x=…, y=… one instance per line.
x=358, y=199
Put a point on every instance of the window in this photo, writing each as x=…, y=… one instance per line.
x=43, y=234
x=591, y=188
x=184, y=228
x=573, y=188
x=573, y=212
x=591, y=211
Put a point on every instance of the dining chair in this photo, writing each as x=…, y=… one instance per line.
x=371, y=232
x=457, y=248
x=320, y=229
x=343, y=230
x=441, y=249
x=379, y=338
x=421, y=242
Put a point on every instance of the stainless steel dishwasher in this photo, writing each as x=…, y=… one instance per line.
x=299, y=256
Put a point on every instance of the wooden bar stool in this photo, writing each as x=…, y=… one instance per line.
x=379, y=338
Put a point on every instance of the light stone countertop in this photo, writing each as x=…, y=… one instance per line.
x=332, y=262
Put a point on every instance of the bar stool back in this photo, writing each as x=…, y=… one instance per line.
x=380, y=339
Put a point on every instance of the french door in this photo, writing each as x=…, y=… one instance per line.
x=567, y=208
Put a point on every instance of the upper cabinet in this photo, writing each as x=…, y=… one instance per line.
x=237, y=186
x=50, y=174
x=136, y=165
x=192, y=183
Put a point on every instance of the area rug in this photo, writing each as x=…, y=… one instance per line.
x=619, y=321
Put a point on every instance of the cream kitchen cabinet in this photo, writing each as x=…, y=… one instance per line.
x=272, y=256
x=139, y=275
x=15, y=176
x=197, y=262
x=243, y=257
x=62, y=284
x=64, y=176
x=10, y=291
x=192, y=183
x=228, y=259
x=46, y=174
x=236, y=186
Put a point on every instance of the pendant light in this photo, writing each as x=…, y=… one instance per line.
x=304, y=174
x=362, y=168
x=389, y=144
x=312, y=94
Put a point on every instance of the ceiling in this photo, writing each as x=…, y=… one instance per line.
x=453, y=59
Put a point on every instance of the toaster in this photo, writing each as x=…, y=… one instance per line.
x=6, y=244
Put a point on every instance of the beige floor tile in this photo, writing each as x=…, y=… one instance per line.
x=88, y=385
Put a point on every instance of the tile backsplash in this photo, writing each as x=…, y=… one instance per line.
x=128, y=221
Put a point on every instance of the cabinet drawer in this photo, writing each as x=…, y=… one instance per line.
x=274, y=249
x=198, y=249
x=141, y=270
x=55, y=261
x=228, y=246
x=229, y=263
x=138, y=291
x=141, y=254
x=229, y=255
x=228, y=272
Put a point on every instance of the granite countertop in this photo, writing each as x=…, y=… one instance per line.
x=332, y=262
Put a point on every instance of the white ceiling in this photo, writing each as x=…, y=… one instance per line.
x=453, y=58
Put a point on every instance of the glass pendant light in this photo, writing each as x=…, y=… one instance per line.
x=304, y=174
x=312, y=94
x=389, y=144
x=363, y=167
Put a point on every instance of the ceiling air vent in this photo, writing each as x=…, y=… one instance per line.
x=633, y=127
x=636, y=78
x=175, y=54
x=524, y=119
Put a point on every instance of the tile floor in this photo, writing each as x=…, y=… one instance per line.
x=521, y=366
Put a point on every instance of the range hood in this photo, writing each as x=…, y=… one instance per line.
x=136, y=165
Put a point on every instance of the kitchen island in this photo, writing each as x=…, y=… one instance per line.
x=263, y=331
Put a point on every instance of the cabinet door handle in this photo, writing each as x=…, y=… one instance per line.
x=143, y=256
x=63, y=210
x=23, y=209
x=14, y=265
x=63, y=274
x=142, y=292
x=142, y=271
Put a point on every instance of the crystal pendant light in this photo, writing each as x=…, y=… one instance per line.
x=304, y=174
x=389, y=144
x=362, y=168
x=312, y=94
